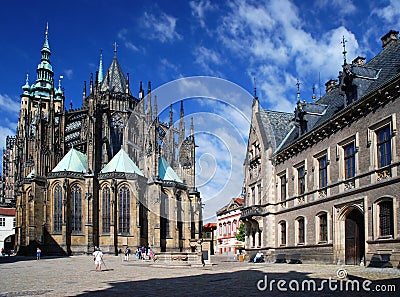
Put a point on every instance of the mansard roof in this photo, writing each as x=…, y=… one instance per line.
x=121, y=162
x=73, y=161
x=165, y=171
x=114, y=80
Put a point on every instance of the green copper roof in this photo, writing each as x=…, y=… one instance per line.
x=165, y=171
x=73, y=161
x=121, y=163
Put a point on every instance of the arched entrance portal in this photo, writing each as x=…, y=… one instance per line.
x=354, y=238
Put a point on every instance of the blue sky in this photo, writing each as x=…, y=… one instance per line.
x=275, y=42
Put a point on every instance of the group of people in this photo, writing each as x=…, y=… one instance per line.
x=143, y=252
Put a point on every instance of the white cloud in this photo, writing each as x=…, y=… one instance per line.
x=168, y=65
x=68, y=73
x=8, y=104
x=199, y=9
x=341, y=7
x=131, y=46
x=389, y=13
x=161, y=27
x=279, y=50
x=127, y=43
x=206, y=57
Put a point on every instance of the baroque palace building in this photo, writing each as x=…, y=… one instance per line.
x=107, y=174
x=322, y=184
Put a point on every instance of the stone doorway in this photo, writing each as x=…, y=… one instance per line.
x=354, y=238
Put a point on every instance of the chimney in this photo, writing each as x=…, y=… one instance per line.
x=330, y=85
x=389, y=38
x=359, y=61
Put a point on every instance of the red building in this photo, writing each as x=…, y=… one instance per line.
x=228, y=222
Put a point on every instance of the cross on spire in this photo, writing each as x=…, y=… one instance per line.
x=343, y=42
x=115, y=44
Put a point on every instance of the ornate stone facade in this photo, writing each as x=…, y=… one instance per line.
x=107, y=174
x=329, y=176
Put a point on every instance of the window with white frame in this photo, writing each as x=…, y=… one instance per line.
x=381, y=140
x=323, y=171
x=346, y=154
x=349, y=152
x=2, y=222
x=301, y=179
x=384, y=146
x=220, y=229
x=283, y=186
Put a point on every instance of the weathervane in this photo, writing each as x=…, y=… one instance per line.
x=343, y=42
x=298, y=90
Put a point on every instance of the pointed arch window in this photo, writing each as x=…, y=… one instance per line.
x=57, y=219
x=76, y=209
x=124, y=210
x=106, y=210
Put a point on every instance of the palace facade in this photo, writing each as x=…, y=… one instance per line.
x=107, y=174
x=322, y=183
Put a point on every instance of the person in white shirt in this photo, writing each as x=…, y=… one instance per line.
x=98, y=258
x=258, y=257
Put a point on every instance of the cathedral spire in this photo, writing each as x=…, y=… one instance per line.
x=155, y=107
x=191, y=128
x=84, y=91
x=181, y=125
x=101, y=68
x=170, y=115
x=44, y=80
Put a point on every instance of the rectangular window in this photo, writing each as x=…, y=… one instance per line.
x=323, y=228
x=384, y=147
x=301, y=230
x=349, y=160
x=323, y=171
x=283, y=187
x=386, y=218
x=13, y=222
x=259, y=194
x=2, y=222
x=301, y=181
x=283, y=233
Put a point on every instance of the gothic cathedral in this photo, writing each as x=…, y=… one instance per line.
x=108, y=174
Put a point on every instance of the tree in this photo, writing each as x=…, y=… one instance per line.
x=240, y=235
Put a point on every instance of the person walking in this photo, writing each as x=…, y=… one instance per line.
x=127, y=253
x=98, y=258
x=38, y=253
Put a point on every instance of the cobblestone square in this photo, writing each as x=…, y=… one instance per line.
x=75, y=276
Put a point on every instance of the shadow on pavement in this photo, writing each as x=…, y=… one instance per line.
x=251, y=283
